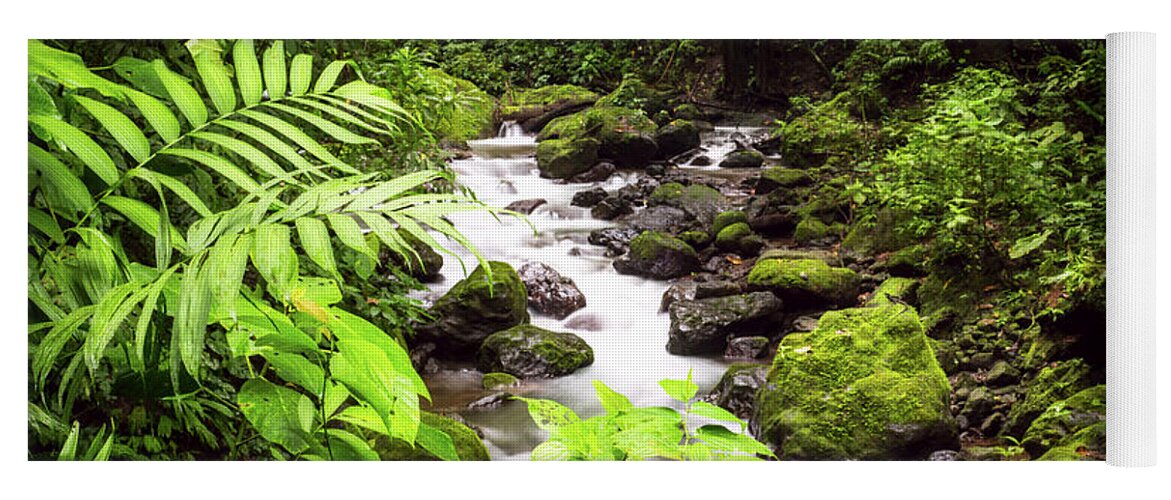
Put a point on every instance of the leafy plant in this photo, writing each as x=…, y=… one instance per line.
x=246, y=325
x=626, y=432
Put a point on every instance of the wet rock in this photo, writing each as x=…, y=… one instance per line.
x=597, y=173
x=659, y=218
x=812, y=230
x=659, y=256
x=1088, y=444
x=656, y=170
x=529, y=351
x=895, y=291
x=499, y=381
x=615, y=239
x=421, y=354
x=717, y=288
x=772, y=217
x=489, y=402
x=773, y=178
x=980, y=403
x=1051, y=385
x=992, y=424
x=588, y=323
x=746, y=347
x=682, y=290
x=701, y=202
x=736, y=390
x=588, y=197
x=725, y=219
x=805, y=324
x=864, y=385
x=565, y=158
x=1001, y=374
x=805, y=281
x=944, y=456
x=469, y=312
x=610, y=208
x=676, y=137
x=701, y=161
x=702, y=326
x=739, y=238
x=550, y=292
x=981, y=360
x=744, y=158
x=526, y=206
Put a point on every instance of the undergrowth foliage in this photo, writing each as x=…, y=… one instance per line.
x=224, y=337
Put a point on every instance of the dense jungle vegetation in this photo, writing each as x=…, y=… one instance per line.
x=223, y=235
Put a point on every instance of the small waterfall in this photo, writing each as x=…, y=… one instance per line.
x=510, y=141
x=510, y=129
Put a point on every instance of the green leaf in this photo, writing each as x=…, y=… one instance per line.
x=317, y=244
x=220, y=166
x=437, y=443
x=269, y=141
x=1026, y=245
x=207, y=56
x=63, y=189
x=80, y=145
x=328, y=76
x=148, y=308
x=45, y=223
x=69, y=450
x=613, y=402
x=348, y=447
x=274, y=70
x=300, y=138
x=552, y=451
x=39, y=100
x=67, y=69
x=549, y=415
x=226, y=264
x=157, y=114
x=51, y=345
x=185, y=97
x=111, y=313
x=300, y=73
x=708, y=410
x=722, y=439
x=343, y=115
x=274, y=258
x=350, y=233
x=120, y=127
x=247, y=71
x=679, y=390
x=145, y=217
x=191, y=318
x=319, y=291
x=297, y=369
x=141, y=74
x=249, y=152
x=176, y=186
x=282, y=416
x=389, y=189
x=332, y=129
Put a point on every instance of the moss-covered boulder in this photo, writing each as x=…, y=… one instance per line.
x=565, y=158
x=687, y=111
x=468, y=445
x=658, y=255
x=529, y=351
x=703, y=326
x=773, y=178
x=1063, y=419
x=805, y=281
x=1087, y=444
x=743, y=158
x=894, y=290
x=676, y=137
x=737, y=388
x=527, y=103
x=624, y=135
x=909, y=261
x=1052, y=384
x=695, y=238
x=497, y=380
x=475, y=308
x=739, y=238
x=828, y=131
x=812, y=229
x=701, y=202
x=863, y=385
x=725, y=219
x=474, y=118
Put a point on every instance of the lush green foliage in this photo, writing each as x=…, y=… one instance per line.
x=223, y=336
x=626, y=432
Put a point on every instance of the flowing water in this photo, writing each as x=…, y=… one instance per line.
x=621, y=320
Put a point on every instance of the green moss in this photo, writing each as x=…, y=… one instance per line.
x=1087, y=444
x=805, y=277
x=826, y=131
x=901, y=288
x=519, y=101
x=605, y=123
x=695, y=238
x=497, y=380
x=863, y=385
x=725, y=219
x=784, y=253
x=530, y=351
x=687, y=111
x=648, y=245
x=1064, y=419
x=476, y=307
x=633, y=93
x=810, y=229
x=729, y=237
x=911, y=260
x=468, y=445
x=774, y=177
x=883, y=234
x=744, y=158
x=667, y=194
x=475, y=108
x=565, y=158
x=1052, y=384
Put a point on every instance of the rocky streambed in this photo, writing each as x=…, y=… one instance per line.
x=655, y=249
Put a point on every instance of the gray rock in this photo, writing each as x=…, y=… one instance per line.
x=529, y=351
x=550, y=292
x=526, y=206
x=703, y=326
x=746, y=347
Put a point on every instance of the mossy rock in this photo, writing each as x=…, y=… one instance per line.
x=1087, y=444
x=826, y=131
x=902, y=289
x=700, y=202
x=863, y=385
x=773, y=178
x=658, y=255
x=737, y=388
x=805, y=281
x=497, y=380
x=744, y=158
x=468, y=445
x=676, y=137
x=725, y=219
x=790, y=254
x=477, y=307
x=1051, y=385
x=565, y=158
x=667, y=194
x=909, y=261
x=703, y=326
x=812, y=229
x=884, y=234
x=530, y=351
x=739, y=238
x=1063, y=419
x=475, y=116
x=695, y=238
x=624, y=135
x=687, y=111
x=531, y=102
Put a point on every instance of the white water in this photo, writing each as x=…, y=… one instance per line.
x=630, y=335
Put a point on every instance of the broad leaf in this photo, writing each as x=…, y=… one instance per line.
x=282, y=416
x=613, y=402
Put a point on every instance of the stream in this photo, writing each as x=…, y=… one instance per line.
x=621, y=320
